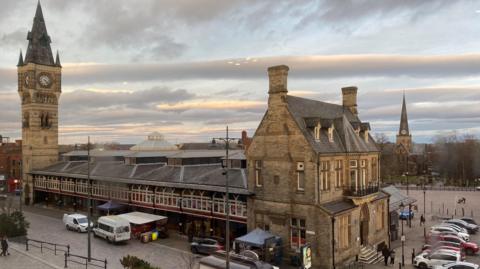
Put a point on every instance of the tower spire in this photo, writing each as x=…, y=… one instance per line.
x=39, y=50
x=404, y=119
x=20, y=59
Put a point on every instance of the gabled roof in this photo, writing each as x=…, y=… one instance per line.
x=39, y=50
x=307, y=113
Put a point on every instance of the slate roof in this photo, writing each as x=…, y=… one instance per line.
x=207, y=177
x=307, y=113
x=339, y=206
x=39, y=50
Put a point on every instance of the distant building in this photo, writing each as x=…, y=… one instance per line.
x=10, y=164
x=314, y=170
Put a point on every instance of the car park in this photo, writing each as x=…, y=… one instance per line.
x=471, y=228
x=76, y=222
x=205, y=246
x=439, y=257
x=443, y=245
x=454, y=226
x=458, y=265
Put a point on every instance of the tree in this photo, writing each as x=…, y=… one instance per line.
x=13, y=224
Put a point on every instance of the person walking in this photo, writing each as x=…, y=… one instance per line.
x=422, y=220
x=4, y=245
x=386, y=254
x=392, y=257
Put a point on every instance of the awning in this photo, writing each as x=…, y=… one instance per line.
x=255, y=238
x=108, y=206
x=138, y=218
x=396, y=198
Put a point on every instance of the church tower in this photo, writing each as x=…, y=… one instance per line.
x=404, y=138
x=39, y=88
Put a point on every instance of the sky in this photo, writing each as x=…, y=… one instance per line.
x=187, y=69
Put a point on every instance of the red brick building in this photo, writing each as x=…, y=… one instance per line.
x=10, y=164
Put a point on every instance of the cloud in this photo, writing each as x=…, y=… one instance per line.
x=213, y=105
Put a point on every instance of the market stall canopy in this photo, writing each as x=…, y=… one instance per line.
x=397, y=198
x=109, y=206
x=139, y=218
x=255, y=238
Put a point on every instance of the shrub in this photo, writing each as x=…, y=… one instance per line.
x=133, y=262
x=13, y=224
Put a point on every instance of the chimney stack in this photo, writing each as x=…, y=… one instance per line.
x=349, y=95
x=278, y=79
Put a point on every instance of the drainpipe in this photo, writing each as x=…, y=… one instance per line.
x=333, y=242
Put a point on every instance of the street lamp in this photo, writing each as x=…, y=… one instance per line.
x=402, y=206
x=424, y=216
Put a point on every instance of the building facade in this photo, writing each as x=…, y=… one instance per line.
x=314, y=170
x=10, y=164
x=39, y=88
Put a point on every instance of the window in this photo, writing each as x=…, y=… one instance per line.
x=258, y=173
x=297, y=233
x=316, y=131
x=338, y=173
x=300, y=180
x=380, y=216
x=324, y=172
x=330, y=134
x=353, y=163
x=344, y=231
x=374, y=169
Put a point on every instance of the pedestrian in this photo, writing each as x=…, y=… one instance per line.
x=422, y=220
x=386, y=254
x=4, y=245
x=392, y=257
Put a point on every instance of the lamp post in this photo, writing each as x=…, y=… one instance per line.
x=227, y=140
x=402, y=206
x=89, y=204
x=424, y=216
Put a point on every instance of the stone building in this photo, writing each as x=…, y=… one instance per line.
x=10, y=164
x=39, y=88
x=314, y=170
x=403, y=145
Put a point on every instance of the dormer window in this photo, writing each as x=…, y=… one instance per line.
x=357, y=131
x=330, y=133
x=316, y=131
x=365, y=135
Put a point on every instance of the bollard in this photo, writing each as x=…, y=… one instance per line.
x=413, y=255
x=447, y=211
x=472, y=213
x=443, y=208
x=26, y=245
x=65, y=260
x=41, y=247
x=55, y=249
x=399, y=265
x=68, y=250
x=455, y=211
x=105, y=263
x=463, y=212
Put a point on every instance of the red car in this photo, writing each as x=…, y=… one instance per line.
x=469, y=247
x=444, y=245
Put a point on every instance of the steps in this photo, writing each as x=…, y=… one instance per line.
x=369, y=255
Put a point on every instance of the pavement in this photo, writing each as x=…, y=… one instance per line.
x=21, y=259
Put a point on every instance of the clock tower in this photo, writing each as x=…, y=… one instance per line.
x=39, y=88
x=404, y=138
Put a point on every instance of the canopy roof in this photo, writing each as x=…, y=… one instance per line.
x=139, y=218
x=255, y=238
x=397, y=198
x=110, y=205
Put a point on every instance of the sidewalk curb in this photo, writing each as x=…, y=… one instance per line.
x=34, y=257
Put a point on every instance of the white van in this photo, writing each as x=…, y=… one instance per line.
x=112, y=228
x=76, y=222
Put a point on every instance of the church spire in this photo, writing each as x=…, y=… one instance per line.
x=403, y=119
x=57, y=61
x=39, y=50
x=20, y=59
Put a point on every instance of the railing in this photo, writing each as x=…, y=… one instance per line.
x=362, y=190
x=46, y=245
x=82, y=260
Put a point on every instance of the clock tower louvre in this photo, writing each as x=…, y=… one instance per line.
x=39, y=89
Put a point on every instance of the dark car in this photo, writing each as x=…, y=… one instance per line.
x=469, y=220
x=471, y=228
x=205, y=246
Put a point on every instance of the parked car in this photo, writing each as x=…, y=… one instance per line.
x=405, y=214
x=458, y=265
x=445, y=245
x=471, y=228
x=437, y=258
x=454, y=226
x=113, y=229
x=448, y=230
x=205, y=246
x=469, y=220
x=469, y=247
x=76, y=222
x=217, y=261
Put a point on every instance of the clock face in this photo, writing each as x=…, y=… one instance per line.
x=404, y=132
x=44, y=80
